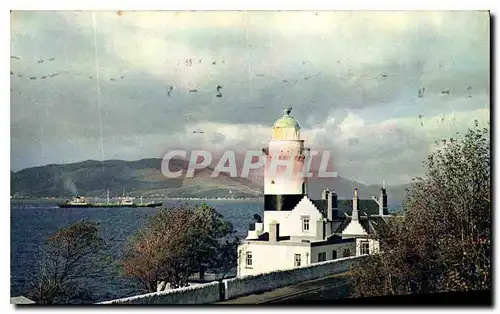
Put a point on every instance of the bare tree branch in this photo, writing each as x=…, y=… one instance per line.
x=59, y=264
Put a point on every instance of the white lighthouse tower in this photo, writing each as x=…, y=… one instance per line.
x=284, y=181
x=297, y=230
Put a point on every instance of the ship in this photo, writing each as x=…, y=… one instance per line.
x=77, y=201
x=124, y=202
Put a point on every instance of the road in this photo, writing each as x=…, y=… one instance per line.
x=332, y=287
x=335, y=290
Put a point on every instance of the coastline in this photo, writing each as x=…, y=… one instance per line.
x=58, y=200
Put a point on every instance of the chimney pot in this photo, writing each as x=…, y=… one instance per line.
x=325, y=193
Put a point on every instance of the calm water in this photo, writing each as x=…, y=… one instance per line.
x=32, y=223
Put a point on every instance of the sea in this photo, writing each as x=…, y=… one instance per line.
x=33, y=221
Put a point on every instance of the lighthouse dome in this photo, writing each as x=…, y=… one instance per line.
x=286, y=128
x=287, y=121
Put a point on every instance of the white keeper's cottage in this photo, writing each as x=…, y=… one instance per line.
x=296, y=230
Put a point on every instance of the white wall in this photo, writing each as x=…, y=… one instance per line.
x=235, y=287
x=240, y=286
x=293, y=223
x=329, y=250
x=199, y=294
x=268, y=257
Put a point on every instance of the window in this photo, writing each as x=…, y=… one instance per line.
x=322, y=257
x=365, y=247
x=347, y=253
x=305, y=224
x=249, y=259
x=334, y=254
x=297, y=260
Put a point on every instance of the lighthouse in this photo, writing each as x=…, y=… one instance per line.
x=296, y=230
x=285, y=183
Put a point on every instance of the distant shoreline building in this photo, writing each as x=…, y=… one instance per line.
x=296, y=230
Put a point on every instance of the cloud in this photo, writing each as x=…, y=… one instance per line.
x=352, y=79
x=351, y=123
x=392, y=149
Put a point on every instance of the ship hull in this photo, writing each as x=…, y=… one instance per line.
x=74, y=205
x=149, y=205
x=103, y=205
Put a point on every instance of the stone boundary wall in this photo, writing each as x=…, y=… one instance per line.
x=240, y=286
x=246, y=285
x=198, y=294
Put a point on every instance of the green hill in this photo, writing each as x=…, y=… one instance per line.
x=144, y=177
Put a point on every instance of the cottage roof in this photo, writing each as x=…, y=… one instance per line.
x=371, y=224
x=367, y=206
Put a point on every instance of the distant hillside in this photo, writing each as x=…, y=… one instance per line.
x=141, y=177
x=144, y=177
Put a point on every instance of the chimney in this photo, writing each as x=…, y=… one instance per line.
x=382, y=201
x=383, y=193
x=335, y=205
x=329, y=209
x=355, y=205
x=274, y=231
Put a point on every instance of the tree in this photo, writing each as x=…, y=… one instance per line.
x=226, y=258
x=176, y=243
x=442, y=243
x=66, y=257
x=220, y=242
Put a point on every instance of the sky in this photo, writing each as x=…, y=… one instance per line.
x=377, y=89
